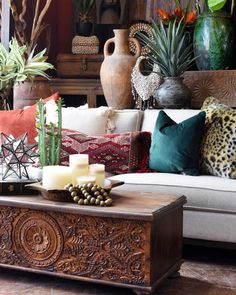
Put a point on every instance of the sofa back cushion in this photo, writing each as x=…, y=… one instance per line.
x=150, y=116
x=126, y=120
x=91, y=121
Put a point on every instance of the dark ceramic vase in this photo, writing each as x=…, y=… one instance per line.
x=213, y=41
x=84, y=28
x=173, y=94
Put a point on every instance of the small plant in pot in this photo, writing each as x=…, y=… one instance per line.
x=26, y=68
x=20, y=68
x=82, y=14
x=171, y=51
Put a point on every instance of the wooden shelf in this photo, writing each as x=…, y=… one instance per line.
x=89, y=87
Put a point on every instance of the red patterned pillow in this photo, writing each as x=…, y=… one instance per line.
x=121, y=153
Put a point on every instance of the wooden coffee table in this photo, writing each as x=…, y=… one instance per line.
x=136, y=243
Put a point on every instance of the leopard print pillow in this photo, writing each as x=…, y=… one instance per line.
x=218, y=147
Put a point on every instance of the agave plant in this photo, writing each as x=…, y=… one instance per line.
x=83, y=7
x=169, y=48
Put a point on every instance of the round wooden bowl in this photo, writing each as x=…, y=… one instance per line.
x=64, y=195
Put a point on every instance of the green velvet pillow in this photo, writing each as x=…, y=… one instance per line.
x=175, y=147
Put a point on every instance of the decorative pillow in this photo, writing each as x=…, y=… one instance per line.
x=17, y=122
x=218, y=148
x=91, y=121
x=175, y=147
x=121, y=153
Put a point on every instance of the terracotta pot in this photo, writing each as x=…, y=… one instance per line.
x=26, y=94
x=173, y=94
x=116, y=70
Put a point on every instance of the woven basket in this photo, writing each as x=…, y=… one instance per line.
x=85, y=45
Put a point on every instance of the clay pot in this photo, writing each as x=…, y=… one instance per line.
x=26, y=93
x=116, y=70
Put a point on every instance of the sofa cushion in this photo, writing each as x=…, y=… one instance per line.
x=126, y=120
x=91, y=121
x=203, y=191
x=211, y=204
x=175, y=147
x=121, y=153
x=218, y=149
x=150, y=116
x=17, y=122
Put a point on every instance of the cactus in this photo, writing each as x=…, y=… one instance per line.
x=49, y=136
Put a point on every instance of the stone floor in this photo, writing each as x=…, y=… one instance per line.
x=204, y=272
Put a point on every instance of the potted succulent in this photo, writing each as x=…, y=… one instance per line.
x=171, y=51
x=20, y=70
x=82, y=11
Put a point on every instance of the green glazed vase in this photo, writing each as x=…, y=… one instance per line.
x=213, y=41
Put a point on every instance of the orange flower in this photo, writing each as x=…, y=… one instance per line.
x=190, y=17
x=178, y=12
x=163, y=14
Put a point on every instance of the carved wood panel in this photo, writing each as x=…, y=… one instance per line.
x=109, y=249
x=219, y=84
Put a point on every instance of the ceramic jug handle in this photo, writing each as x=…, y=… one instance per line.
x=137, y=45
x=106, y=47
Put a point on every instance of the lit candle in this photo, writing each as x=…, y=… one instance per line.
x=98, y=170
x=56, y=177
x=85, y=180
x=79, y=166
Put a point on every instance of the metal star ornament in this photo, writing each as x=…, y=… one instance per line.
x=16, y=155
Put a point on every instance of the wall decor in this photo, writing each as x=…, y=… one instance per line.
x=134, y=31
x=16, y=155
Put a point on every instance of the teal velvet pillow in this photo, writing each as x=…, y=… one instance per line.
x=175, y=147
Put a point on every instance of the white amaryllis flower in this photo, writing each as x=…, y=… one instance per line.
x=51, y=112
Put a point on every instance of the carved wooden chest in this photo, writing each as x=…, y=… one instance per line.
x=136, y=243
x=79, y=65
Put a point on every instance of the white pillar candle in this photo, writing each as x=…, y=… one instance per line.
x=56, y=177
x=98, y=170
x=79, y=166
x=85, y=180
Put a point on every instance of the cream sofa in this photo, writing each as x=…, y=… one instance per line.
x=210, y=211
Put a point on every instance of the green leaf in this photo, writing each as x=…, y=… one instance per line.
x=216, y=4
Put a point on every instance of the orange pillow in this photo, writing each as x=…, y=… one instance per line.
x=17, y=122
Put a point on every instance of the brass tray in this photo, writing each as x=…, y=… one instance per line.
x=64, y=195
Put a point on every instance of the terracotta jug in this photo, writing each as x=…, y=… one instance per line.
x=116, y=70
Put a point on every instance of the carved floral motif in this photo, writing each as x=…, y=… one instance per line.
x=38, y=238
x=229, y=88
x=106, y=249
